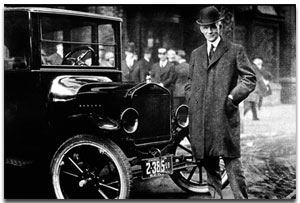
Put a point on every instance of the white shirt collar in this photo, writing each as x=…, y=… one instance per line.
x=163, y=63
x=129, y=61
x=215, y=43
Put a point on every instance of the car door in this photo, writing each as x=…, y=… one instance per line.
x=23, y=109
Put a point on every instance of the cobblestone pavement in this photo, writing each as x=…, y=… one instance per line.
x=268, y=156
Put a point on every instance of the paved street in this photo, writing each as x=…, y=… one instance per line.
x=269, y=153
x=269, y=159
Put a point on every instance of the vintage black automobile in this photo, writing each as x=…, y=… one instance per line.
x=66, y=109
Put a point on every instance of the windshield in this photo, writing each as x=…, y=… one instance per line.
x=77, y=41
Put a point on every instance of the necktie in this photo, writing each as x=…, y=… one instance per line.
x=211, y=52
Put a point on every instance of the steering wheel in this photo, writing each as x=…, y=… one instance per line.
x=77, y=56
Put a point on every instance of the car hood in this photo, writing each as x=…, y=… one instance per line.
x=64, y=88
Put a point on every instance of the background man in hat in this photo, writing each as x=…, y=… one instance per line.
x=144, y=65
x=266, y=77
x=182, y=72
x=128, y=65
x=163, y=72
x=215, y=68
x=251, y=102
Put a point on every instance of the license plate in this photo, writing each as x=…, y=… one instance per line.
x=157, y=166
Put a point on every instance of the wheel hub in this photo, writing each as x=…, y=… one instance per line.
x=89, y=177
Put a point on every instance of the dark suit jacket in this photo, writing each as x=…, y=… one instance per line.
x=129, y=74
x=182, y=72
x=165, y=75
x=143, y=69
x=215, y=120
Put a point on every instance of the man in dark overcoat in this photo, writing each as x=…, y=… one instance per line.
x=251, y=102
x=163, y=72
x=129, y=64
x=144, y=65
x=182, y=72
x=266, y=77
x=221, y=77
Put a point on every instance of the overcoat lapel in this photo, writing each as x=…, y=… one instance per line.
x=221, y=49
x=203, y=55
x=166, y=69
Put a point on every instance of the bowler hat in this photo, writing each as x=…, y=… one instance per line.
x=209, y=15
x=147, y=50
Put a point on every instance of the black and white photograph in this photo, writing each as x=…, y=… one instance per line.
x=149, y=101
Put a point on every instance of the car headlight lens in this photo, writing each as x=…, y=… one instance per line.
x=182, y=116
x=129, y=119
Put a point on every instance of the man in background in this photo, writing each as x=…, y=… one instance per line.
x=128, y=65
x=267, y=77
x=110, y=58
x=144, y=66
x=172, y=57
x=57, y=57
x=102, y=61
x=163, y=72
x=182, y=72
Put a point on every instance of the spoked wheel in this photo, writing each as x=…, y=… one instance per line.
x=187, y=174
x=86, y=167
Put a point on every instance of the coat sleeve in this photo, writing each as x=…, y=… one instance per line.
x=247, y=78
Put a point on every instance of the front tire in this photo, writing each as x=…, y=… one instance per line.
x=88, y=167
x=190, y=176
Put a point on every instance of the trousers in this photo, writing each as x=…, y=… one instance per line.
x=251, y=105
x=233, y=167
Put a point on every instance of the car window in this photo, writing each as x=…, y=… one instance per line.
x=76, y=41
x=16, y=41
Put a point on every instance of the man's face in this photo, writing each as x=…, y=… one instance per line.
x=162, y=55
x=211, y=32
x=171, y=55
x=129, y=54
x=110, y=57
x=148, y=55
x=111, y=60
x=60, y=49
x=258, y=63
